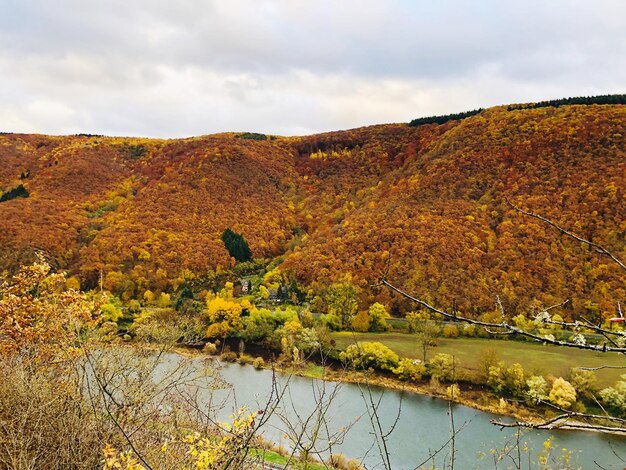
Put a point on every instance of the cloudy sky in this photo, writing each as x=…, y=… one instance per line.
x=173, y=68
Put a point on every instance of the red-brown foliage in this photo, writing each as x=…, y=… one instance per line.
x=335, y=203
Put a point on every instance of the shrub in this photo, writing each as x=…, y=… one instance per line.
x=210, y=348
x=134, y=306
x=108, y=330
x=363, y=355
x=453, y=392
x=441, y=366
x=44, y=422
x=450, y=331
x=332, y=321
x=361, y=322
x=563, y=394
x=583, y=381
x=494, y=377
x=110, y=312
x=410, y=369
x=229, y=356
x=615, y=396
x=307, y=340
x=537, y=388
x=164, y=300
x=341, y=462
x=155, y=330
x=245, y=359
x=469, y=330
x=338, y=461
x=354, y=464
x=488, y=357
x=258, y=363
x=514, y=380
x=72, y=283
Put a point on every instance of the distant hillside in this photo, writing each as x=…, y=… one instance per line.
x=150, y=213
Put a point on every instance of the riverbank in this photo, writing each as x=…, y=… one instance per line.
x=477, y=399
x=471, y=395
x=469, y=352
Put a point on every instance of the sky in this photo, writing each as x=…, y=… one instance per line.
x=178, y=68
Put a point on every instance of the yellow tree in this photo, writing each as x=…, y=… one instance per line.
x=224, y=315
x=378, y=315
x=38, y=311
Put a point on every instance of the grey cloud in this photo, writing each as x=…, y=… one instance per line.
x=156, y=67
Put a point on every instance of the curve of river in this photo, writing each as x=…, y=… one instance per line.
x=422, y=428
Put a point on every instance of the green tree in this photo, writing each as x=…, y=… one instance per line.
x=110, y=312
x=488, y=357
x=341, y=300
x=18, y=191
x=427, y=333
x=236, y=245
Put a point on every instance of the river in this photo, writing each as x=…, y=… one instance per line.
x=423, y=424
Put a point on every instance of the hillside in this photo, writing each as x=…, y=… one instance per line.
x=149, y=213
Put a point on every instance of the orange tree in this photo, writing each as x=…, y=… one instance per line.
x=39, y=312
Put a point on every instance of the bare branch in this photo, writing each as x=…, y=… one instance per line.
x=599, y=248
x=561, y=421
x=601, y=367
x=504, y=325
x=555, y=424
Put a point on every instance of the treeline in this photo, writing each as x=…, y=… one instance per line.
x=600, y=99
x=586, y=100
x=444, y=118
x=255, y=136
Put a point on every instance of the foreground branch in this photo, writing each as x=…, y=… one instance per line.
x=599, y=248
x=504, y=325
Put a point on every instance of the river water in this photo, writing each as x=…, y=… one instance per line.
x=422, y=424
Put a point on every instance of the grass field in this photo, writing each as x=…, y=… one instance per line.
x=280, y=460
x=535, y=358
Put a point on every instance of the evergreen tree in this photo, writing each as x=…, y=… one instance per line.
x=236, y=245
x=18, y=191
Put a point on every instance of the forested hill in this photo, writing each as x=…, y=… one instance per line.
x=150, y=213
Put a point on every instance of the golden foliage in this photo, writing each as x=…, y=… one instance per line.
x=143, y=211
x=38, y=311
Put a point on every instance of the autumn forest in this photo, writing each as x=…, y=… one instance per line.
x=427, y=204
